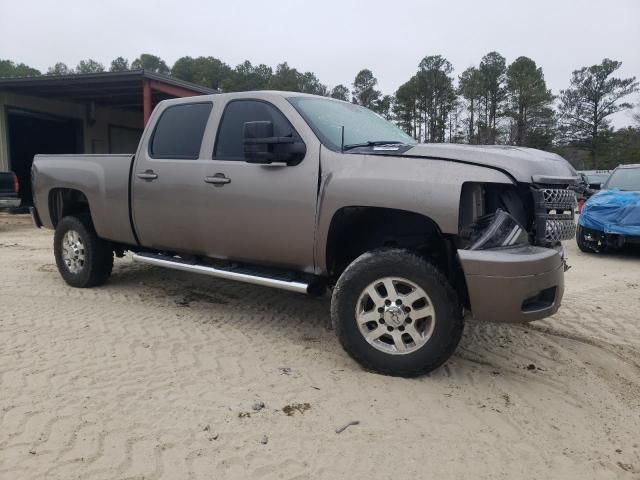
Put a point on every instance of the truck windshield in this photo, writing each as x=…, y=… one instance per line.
x=627, y=179
x=362, y=127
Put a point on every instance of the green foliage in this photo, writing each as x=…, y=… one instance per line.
x=119, y=64
x=613, y=148
x=89, y=66
x=383, y=107
x=340, y=92
x=529, y=105
x=423, y=104
x=149, y=62
x=309, y=83
x=364, y=89
x=623, y=147
x=364, y=93
x=493, y=73
x=246, y=77
x=285, y=78
x=470, y=88
x=10, y=69
x=207, y=71
x=593, y=95
x=437, y=95
x=213, y=73
x=60, y=69
x=291, y=80
x=406, y=108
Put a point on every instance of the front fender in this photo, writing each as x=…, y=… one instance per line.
x=424, y=186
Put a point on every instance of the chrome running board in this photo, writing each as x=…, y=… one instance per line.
x=238, y=274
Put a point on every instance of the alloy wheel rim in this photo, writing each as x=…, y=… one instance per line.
x=73, y=253
x=395, y=315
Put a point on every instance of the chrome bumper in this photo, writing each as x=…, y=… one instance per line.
x=9, y=202
x=513, y=285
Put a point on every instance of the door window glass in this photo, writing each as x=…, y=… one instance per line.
x=229, y=141
x=178, y=133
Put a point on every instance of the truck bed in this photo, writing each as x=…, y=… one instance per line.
x=103, y=179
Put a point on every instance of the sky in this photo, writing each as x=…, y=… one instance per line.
x=333, y=38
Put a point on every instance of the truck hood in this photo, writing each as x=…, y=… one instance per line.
x=525, y=165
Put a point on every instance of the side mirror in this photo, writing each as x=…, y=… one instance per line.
x=261, y=146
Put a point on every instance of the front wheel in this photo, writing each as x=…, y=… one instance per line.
x=396, y=314
x=83, y=259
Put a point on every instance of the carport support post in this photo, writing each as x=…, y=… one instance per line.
x=146, y=100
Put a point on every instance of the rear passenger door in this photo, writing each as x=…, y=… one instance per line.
x=168, y=188
x=261, y=213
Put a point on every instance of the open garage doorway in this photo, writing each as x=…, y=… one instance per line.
x=31, y=133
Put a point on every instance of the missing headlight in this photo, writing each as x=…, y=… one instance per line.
x=497, y=230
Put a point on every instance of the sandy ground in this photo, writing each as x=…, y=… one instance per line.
x=156, y=375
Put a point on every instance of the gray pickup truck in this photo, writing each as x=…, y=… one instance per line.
x=306, y=194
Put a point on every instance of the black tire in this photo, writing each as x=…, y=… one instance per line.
x=584, y=244
x=98, y=254
x=377, y=264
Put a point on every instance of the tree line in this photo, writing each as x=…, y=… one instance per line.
x=491, y=103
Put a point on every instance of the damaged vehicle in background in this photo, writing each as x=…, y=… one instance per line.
x=610, y=219
x=589, y=182
x=306, y=193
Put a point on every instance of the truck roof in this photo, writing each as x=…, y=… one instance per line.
x=248, y=94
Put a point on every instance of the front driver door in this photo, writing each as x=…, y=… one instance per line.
x=261, y=213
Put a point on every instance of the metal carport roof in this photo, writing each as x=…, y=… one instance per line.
x=133, y=89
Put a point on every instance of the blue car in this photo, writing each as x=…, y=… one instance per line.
x=611, y=218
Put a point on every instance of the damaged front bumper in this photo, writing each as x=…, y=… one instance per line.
x=507, y=278
x=518, y=284
x=515, y=273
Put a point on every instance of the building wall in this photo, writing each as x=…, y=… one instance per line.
x=95, y=135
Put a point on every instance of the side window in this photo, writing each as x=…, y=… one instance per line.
x=179, y=131
x=229, y=141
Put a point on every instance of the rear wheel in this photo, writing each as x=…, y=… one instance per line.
x=83, y=259
x=586, y=245
x=396, y=314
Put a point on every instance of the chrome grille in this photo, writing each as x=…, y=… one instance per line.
x=556, y=230
x=556, y=198
x=554, y=215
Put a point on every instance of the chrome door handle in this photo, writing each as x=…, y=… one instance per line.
x=147, y=175
x=218, y=179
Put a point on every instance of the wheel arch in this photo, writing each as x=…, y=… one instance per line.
x=64, y=202
x=356, y=229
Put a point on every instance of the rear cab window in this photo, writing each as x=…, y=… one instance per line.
x=179, y=131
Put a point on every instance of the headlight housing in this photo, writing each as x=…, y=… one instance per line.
x=498, y=230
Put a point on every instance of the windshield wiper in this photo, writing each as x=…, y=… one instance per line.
x=371, y=144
